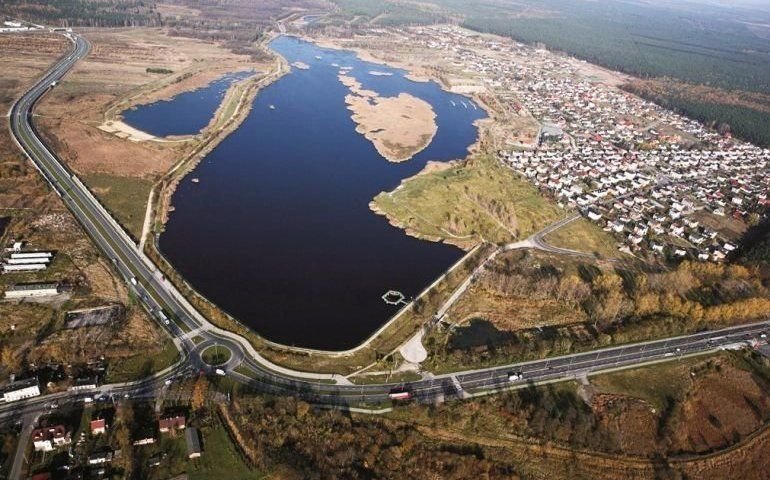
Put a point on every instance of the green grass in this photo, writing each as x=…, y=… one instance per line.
x=216, y=355
x=124, y=197
x=141, y=365
x=220, y=459
x=469, y=203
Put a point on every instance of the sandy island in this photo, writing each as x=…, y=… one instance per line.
x=399, y=127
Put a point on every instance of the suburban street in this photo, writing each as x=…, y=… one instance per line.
x=158, y=295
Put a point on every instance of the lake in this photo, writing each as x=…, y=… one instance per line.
x=185, y=114
x=278, y=231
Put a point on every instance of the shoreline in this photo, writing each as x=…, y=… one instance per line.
x=430, y=167
x=410, y=75
x=474, y=148
x=116, y=125
x=248, y=88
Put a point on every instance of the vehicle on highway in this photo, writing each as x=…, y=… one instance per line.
x=163, y=317
x=134, y=282
x=219, y=371
x=515, y=376
x=400, y=394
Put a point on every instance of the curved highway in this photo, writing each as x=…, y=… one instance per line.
x=183, y=323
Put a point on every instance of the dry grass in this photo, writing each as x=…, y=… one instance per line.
x=584, y=236
x=511, y=313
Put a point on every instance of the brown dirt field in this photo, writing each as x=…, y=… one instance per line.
x=633, y=420
x=114, y=77
x=719, y=408
x=728, y=226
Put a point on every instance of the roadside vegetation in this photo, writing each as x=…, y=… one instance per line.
x=528, y=305
x=638, y=417
x=141, y=366
x=33, y=337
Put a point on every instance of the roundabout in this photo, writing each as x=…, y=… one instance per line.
x=216, y=355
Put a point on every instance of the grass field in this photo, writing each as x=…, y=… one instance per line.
x=468, y=203
x=219, y=459
x=655, y=384
x=124, y=197
x=216, y=355
x=584, y=236
x=141, y=365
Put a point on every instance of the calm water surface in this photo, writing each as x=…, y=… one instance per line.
x=279, y=233
x=185, y=114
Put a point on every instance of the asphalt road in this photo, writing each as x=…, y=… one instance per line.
x=156, y=294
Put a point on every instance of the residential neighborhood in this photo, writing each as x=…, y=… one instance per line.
x=661, y=183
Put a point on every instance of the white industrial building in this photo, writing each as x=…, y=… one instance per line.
x=32, y=290
x=21, y=390
x=31, y=255
x=29, y=267
x=27, y=261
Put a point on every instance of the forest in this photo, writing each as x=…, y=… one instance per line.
x=87, y=13
x=609, y=306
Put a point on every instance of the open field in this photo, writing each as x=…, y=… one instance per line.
x=468, y=203
x=114, y=77
x=657, y=385
x=141, y=366
x=123, y=196
x=221, y=459
x=584, y=236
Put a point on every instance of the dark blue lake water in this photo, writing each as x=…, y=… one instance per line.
x=185, y=114
x=279, y=233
